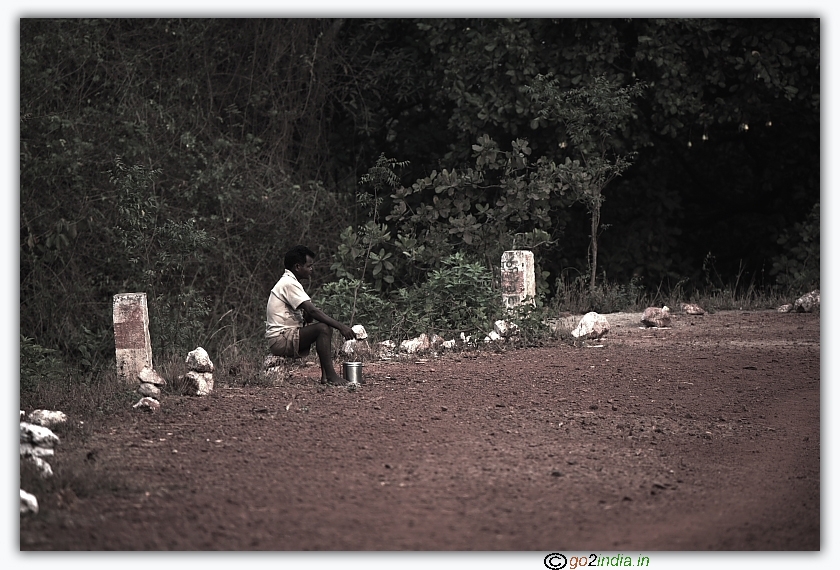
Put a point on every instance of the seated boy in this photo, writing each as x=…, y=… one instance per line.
x=290, y=311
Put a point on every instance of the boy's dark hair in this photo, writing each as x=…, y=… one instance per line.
x=297, y=255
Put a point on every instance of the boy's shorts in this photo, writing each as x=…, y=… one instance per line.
x=286, y=344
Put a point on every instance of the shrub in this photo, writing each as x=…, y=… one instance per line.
x=351, y=301
x=798, y=268
x=37, y=364
x=532, y=321
x=458, y=297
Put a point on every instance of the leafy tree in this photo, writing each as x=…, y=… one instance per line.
x=700, y=179
x=591, y=118
x=165, y=255
x=504, y=200
x=229, y=114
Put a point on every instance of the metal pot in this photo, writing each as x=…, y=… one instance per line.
x=352, y=372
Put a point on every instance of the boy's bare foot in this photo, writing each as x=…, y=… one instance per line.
x=334, y=381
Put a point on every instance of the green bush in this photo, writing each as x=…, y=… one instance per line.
x=532, y=322
x=458, y=297
x=351, y=301
x=37, y=364
x=798, y=268
x=165, y=257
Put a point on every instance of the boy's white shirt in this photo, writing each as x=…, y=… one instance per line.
x=283, y=310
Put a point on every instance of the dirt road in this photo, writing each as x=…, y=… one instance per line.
x=703, y=436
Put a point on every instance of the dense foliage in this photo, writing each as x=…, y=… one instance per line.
x=182, y=157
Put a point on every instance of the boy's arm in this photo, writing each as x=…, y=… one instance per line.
x=313, y=312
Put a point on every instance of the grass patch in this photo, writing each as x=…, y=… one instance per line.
x=574, y=295
x=79, y=394
x=77, y=472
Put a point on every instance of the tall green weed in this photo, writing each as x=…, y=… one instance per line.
x=37, y=364
x=574, y=294
x=457, y=297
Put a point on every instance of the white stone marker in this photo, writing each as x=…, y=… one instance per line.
x=518, y=284
x=131, y=335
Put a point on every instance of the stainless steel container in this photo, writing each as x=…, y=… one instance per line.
x=353, y=372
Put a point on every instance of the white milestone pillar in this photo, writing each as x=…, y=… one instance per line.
x=131, y=335
x=518, y=284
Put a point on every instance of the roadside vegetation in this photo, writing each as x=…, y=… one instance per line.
x=644, y=162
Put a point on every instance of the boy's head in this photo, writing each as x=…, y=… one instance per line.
x=299, y=260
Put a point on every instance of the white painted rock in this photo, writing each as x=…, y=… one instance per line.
x=44, y=468
x=199, y=383
x=28, y=503
x=272, y=361
x=275, y=369
x=786, y=308
x=413, y=345
x=505, y=329
x=29, y=450
x=46, y=418
x=355, y=346
x=361, y=333
x=150, y=376
x=692, y=309
x=808, y=302
x=199, y=361
x=37, y=435
x=387, y=349
x=656, y=317
x=37, y=442
x=147, y=404
x=592, y=326
x=149, y=390
x=493, y=336
x=449, y=344
x=277, y=374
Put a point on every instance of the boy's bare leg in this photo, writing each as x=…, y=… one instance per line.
x=321, y=335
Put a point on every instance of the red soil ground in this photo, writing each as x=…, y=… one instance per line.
x=704, y=436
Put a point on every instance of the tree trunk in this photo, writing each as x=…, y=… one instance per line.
x=593, y=242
